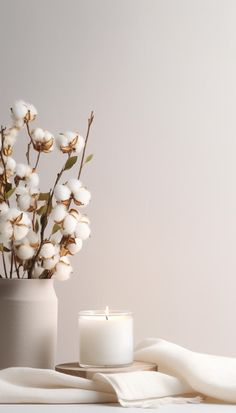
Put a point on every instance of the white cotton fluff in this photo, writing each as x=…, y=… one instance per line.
x=69, y=225
x=63, y=269
x=82, y=196
x=37, y=134
x=33, y=111
x=58, y=213
x=20, y=232
x=48, y=250
x=37, y=271
x=6, y=231
x=18, y=123
x=62, y=193
x=76, y=214
x=61, y=140
x=3, y=208
x=23, y=170
x=25, y=252
x=82, y=230
x=74, y=184
x=10, y=164
x=33, y=180
x=48, y=135
x=79, y=146
x=49, y=264
x=19, y=109
x=75, y=247
x=32, y=238
x=70, y=135
x=24, y=202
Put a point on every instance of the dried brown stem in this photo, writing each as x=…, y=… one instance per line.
x=3, y=163
x=44, y=223
x=37, y=160
x=4, y=264
x=90, y=121
x=30, y=143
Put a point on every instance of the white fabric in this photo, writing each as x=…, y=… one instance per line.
x=184, y=376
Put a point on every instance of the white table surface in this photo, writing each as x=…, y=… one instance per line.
x=107, y=408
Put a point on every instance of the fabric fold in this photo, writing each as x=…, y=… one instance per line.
x=183, y=377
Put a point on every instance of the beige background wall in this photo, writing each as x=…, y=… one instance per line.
x=161, y=77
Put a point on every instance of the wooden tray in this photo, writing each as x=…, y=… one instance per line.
x=74, y=369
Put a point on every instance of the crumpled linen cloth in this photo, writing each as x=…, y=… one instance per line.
x=183, y=376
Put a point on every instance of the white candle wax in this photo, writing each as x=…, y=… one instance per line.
x=105, y=338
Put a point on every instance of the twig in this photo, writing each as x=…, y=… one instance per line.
x=4, y=164
x=15, y=263
x=44, y=222
x=90, y=121
x=29, y=144
x=12, y=256
x=37, y=160
x=4, y=264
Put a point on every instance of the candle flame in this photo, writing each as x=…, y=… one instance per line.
x=107, y=312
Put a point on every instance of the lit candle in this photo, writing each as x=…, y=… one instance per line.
x=105, y=338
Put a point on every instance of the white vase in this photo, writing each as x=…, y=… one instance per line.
x=28, y=323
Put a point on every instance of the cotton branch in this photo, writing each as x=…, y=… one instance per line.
x=90, y=121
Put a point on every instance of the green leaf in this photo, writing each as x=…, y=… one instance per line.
x=1, y=247
x=6, y=249
x=70, y=162
x=36, y=227
x=44, y=196
x=89, y=158
x=8, y=186
x=9, y=193
x=55, y=228
x=42, y=210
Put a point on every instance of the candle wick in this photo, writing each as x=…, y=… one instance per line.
x=106, y=317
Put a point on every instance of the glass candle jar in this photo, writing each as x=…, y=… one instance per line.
x=105, y=338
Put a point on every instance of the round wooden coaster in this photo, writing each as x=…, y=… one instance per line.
x=74, y=369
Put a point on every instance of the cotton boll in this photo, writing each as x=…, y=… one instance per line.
x=19, y=109
x=82, y=230
x=74, y=184
x=76, y=214
x=59, y=212
x=38, y=134
x=82, y=196
x=31, y=109
x=18, y=123
x=6, y=231
x=37, y=271
x=23, y=170
x=47, y=250
x=63, y=270
x=69, y=225
x=25, y=252
x=10, y=164
x=62, y=193
x=70, y=135
x=33, y=238
x=3, y=208
x=24, y=202
x=33, y=180
x=61, y=140
x=79, y=146
x=19, y=232
x=75, y=247
x=50, y=263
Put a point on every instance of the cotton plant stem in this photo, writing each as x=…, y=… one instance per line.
x=12, y=260
x=44, y=224
x=30, y=143
x=90, y=121
x=16, y=267
x=37, y=160
x=4, y=264
x=4, y=165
